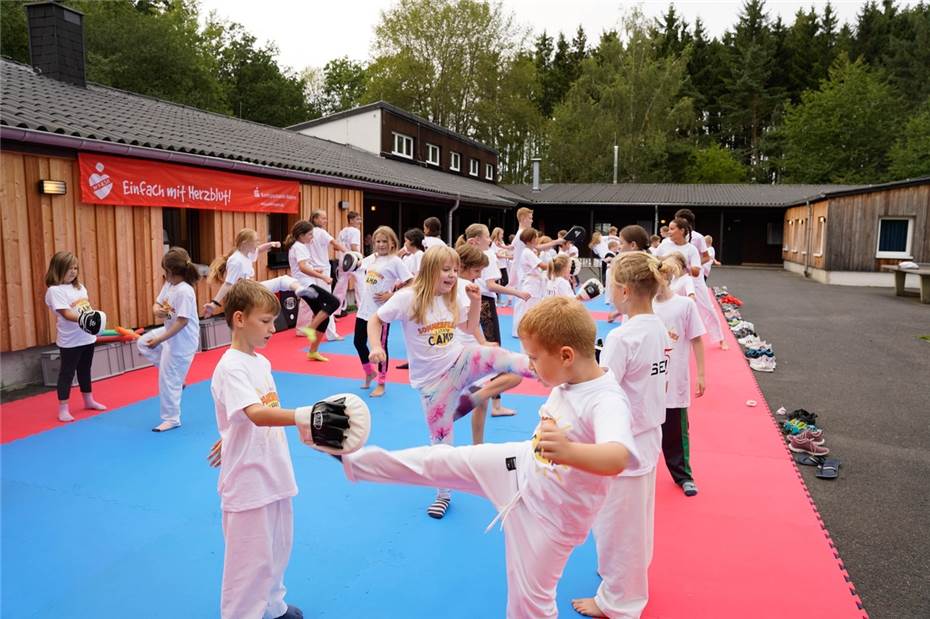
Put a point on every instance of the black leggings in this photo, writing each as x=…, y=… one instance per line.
x=79, y=358
x=326, y=302
x=361, y=342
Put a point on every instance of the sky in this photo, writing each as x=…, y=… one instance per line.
x=309, y=33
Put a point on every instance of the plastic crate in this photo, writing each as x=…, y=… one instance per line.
x=108, y=361
x=214, y=332
x=132, y=358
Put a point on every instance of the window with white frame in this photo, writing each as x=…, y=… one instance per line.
x=403, y=145
x=432, y=154
x=802, y=232
x=894, y=237
x=473, y=167
x=489, y=171
x=819, y=232
x=786, y=235
x=455, y=161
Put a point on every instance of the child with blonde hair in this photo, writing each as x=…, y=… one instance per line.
x=636, y=353
x=532, y=276
x=441, y=367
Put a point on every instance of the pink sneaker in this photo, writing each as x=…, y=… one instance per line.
x=806, y=445
x=816, y=436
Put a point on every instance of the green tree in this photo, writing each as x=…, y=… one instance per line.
x=626, y=95
x=842, y=132
x=714, y=164
x=910, y=155
x=706, y=66
x=344, y=84
x=14, y=37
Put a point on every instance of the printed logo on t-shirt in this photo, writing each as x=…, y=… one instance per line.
x=373, y=278
x=82, y=303
x=270, y=399
x=439, y=334
x=673, y=335
x=168, y=308
x=544, y=464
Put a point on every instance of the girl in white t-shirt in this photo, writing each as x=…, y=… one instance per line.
x=413, y=250
x=66, y=297
x=441, y=368
x=319, y=244
x=560, y=283
x=712, y=253
x=314, y=317
x=172, y=347
x=637, y=354
x=380, y=275
x=504, y=254
x=349, y=237
x=681, y=318
x=532, y=276
x=682, y=283
x=239, y=263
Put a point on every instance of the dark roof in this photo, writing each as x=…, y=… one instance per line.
x=593, y=194
x=838, y=191
x=99, y=113
x=384, y=105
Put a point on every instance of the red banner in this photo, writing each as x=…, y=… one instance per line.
x=138, y=182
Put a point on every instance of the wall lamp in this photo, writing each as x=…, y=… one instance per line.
x=54, y=188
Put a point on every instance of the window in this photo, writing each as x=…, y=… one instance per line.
x=432, y=154
x=775, y=234
x=403, y=145
x=455, y=162
x=182, y=229
x=489, y=171
x=278, y=229
x=473, y=167
x=802, y=235
x=894, y=237
x=789, y=235
x=819, y=230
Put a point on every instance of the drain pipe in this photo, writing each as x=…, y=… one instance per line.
x=807, y=240
x=454, y=208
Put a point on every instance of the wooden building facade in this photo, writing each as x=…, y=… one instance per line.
x=119, y=247
x=833, y=236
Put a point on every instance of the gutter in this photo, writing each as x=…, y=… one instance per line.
x=807, y=241
x=454, y=208
x=18, y=134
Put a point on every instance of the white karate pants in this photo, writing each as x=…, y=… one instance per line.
x=706, y=309
x=172, y=370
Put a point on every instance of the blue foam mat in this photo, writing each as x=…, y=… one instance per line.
x=104, y=518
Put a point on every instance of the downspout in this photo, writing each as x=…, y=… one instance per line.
x=454, y=208
x=655, y=221
x=807, y=241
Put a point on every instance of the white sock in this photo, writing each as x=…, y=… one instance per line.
x=64, y=414
x=92, y=404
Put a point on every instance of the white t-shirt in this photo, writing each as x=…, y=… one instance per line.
x=349, y=236
x=240, y=266
x=492, y=272
x=66, y=296
x=707, y=265
x=682, y=285
x=412, y=261
x=256, y=468
x=298, y=253
x=504, y=263
x=571, y=251
x=681, y=318
x=518, y=247
x=378, y=274
x=689, y=251
x=697, y=239
x=636, y=354
x=532, y=279
x=601, y=248
x=465, y=337
x=319, y=250
x=432, y=241
x=181, y=302
x=432, y=347
x=559, y=287
x=566, y=500
x=546, y=255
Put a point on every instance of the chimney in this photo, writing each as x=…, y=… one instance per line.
x=535, y=161
x=56, y=41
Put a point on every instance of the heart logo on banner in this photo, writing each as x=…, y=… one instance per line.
x=100, y=184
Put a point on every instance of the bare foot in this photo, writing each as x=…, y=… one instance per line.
x=587, y=607
x=377, y=392
x=724, y=345
x=368, y=379
x=502, y=411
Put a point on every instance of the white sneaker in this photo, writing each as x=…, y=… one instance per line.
x=762, y=364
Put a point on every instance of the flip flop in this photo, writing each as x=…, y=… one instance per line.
x=829, y=469
x=808, y=460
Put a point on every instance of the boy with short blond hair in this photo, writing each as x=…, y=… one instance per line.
x=549, y=489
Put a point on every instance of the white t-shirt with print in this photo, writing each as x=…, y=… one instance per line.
x=559, y=287
x=681, y=318
x=432, y=347
x=566, y=500
x=378, y=274
x=412, y=261
x=689, y=251
x=432, y=241
x=319, y=250
x=181, y=302
x=682, y=285
x=300, y=252
x=636, y=353
x=532, y=279
x=256, y=468
x=464, y=337
x=65, y=296
x=240, y=266
x=492, y=272
x=349, y=236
